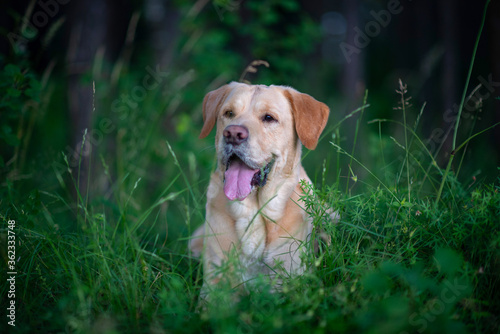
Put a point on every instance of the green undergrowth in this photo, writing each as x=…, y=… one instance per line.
x=390, y=266
x=392, y=256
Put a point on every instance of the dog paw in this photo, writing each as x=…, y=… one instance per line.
x=252, y=235
x=253, y=248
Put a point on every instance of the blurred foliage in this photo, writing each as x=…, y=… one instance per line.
x=222, y=38
x=19, y=94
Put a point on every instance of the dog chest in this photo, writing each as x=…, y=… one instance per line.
x=250, y=228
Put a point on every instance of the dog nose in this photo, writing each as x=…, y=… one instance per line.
x=235, y=134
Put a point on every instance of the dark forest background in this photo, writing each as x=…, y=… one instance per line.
x=324, y=48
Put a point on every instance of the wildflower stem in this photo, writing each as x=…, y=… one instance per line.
x=464, y=94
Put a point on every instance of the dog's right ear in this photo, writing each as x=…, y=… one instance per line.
x=211, y=105
x=310, y=116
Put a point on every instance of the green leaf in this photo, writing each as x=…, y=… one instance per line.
x=9, y=137
x=12, y=70
x=376, y=282
x=12, y=92
x=448, y=261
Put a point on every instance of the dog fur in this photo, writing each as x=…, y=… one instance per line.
x=259, y=128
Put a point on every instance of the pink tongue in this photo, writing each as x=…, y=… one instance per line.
x=238, y=180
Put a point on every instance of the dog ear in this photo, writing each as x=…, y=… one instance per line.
x=310, y=116
x=211, y=105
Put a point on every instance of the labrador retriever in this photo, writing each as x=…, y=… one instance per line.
x=254, y=208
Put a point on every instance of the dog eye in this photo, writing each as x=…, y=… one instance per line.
x=268, y=118
x=229, y=114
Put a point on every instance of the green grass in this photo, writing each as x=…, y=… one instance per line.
x=388, y=269
x=397, y=262
x=117, y=261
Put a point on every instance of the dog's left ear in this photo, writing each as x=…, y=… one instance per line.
x=211, y=105
x=310, y=116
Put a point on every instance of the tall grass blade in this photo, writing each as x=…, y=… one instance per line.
x=464, y=94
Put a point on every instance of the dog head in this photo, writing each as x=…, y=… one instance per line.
x=258, y=129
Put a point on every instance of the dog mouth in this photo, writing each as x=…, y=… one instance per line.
x=240, y=179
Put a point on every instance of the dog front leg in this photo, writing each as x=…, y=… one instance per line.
x=220, y=241
x=252, y=235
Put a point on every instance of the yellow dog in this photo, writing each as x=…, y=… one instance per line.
x=253, y=201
